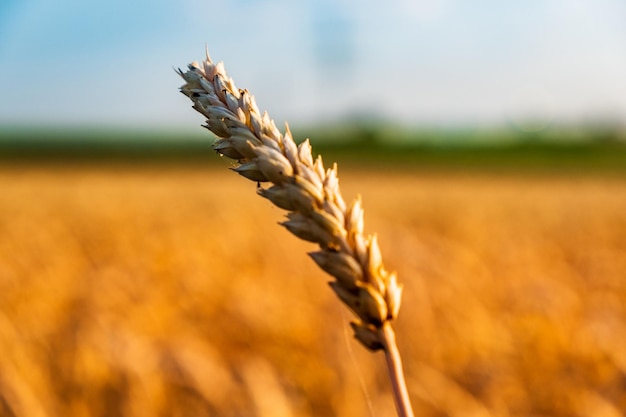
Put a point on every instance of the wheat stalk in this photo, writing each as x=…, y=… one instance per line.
x=316, y=210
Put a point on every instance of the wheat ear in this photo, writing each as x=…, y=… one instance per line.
x=316, y=210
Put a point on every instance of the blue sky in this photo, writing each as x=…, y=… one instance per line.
x=437, y=62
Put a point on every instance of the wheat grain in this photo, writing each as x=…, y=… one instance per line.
x=311, y=194
x=301, y=185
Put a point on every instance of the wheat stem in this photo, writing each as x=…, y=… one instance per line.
x=396, y=374
x=316, y=209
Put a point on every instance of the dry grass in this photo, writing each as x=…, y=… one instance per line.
x=174, y=292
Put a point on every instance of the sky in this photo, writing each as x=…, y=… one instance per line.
x=435, y=63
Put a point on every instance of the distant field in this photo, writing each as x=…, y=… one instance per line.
x=568, y=152
x=172, y=291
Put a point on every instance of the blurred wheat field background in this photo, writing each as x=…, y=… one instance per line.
x=172, y=291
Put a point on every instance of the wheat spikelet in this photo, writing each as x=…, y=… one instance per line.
x=304, y=187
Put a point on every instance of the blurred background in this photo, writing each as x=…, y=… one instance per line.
x=441, y=65
x=138, y=276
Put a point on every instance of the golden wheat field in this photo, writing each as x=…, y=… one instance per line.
x=169, y=291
